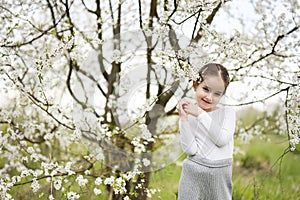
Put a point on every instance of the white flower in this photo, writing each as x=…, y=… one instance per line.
x=68, y=168
x=98, y=181
x=146, y=135
x=126, y=198
x=97, y=191
x=72, y=195
x=30, y=150
x=57, y=184
x=150, y=192
x=81, y=181
x=119, y=188
x=35, y=185
x=51, y=197
x=23, y=143
x=7, y=196
x=25, y=159
x=34, y=157
x=16, y=179
x=139, y=148
x=146, y=162
x=25, y=173
x=109, y=181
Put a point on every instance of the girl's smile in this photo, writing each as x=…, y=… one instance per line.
x=209, y=92
x=206, y=101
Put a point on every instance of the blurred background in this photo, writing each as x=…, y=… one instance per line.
x=89, y=91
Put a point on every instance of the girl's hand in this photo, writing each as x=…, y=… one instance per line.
x=192, y=109
x=180, y=107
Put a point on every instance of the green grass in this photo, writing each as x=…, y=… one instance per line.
x=253, y=174
x=253, y=177
x=260, y=178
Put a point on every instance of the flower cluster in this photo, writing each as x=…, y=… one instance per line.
x=81, y=181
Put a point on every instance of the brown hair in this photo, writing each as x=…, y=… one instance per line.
x=214, y=69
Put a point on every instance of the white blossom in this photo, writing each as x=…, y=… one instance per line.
x=72, y=195
x=57, y=183
x=146, y=162
x=68, y=168
x=98, y=181
x=119, y=187
x=139, y=148
x=25, y=173
x=97, y=191
x=35, y=186
x=109, y=181
x=30, y=150
x=16, y=179
x=81, y=181
x=23, y=143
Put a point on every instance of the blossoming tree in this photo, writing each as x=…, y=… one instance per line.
x=90, y=87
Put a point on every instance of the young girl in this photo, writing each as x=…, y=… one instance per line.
x=206, y=132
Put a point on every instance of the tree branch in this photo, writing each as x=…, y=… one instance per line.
x=209, y=20
x=260, y=100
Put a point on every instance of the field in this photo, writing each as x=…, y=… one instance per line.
x=256, y=174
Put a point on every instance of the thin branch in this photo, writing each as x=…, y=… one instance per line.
x=53, y=18
x=89, y=10
x=140, y=14
x=174, y=10
x=43, y=32
x=91, y=77
x=260, y=100
x=209, y=20
x=38, y=103
x=153, y=12
x=195, y=25
x=280, y=37
x=272, y=51
x=273, y=79
x=100, y=37
x=90, y=166
x=111, y=12
x=286, y=114
x=68, y=81
x=189, y=17
x=286, y=151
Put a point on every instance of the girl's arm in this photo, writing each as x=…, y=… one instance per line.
x=220, y=133
x=187, y=138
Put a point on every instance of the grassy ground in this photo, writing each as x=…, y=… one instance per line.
x=253, y=174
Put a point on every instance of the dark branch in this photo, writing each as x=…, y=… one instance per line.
x=209, y=20
x=260, y=100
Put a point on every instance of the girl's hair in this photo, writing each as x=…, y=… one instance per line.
x=214, y=69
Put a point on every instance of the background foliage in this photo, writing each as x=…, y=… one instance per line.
x=89, y=89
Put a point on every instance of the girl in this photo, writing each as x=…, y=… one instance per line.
x=206, y=132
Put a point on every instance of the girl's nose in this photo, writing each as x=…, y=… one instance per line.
x=209, y=96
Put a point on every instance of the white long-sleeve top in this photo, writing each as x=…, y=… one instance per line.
x=209, y=135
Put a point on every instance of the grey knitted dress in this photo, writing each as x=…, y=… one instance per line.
x=204, y=179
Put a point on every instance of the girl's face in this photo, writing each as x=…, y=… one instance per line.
x=209, y=92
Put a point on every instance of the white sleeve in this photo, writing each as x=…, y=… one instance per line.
x=219, y=131
x=188, y=141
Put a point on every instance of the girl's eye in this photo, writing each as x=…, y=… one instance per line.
x=205, y=88
x=217, y=94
